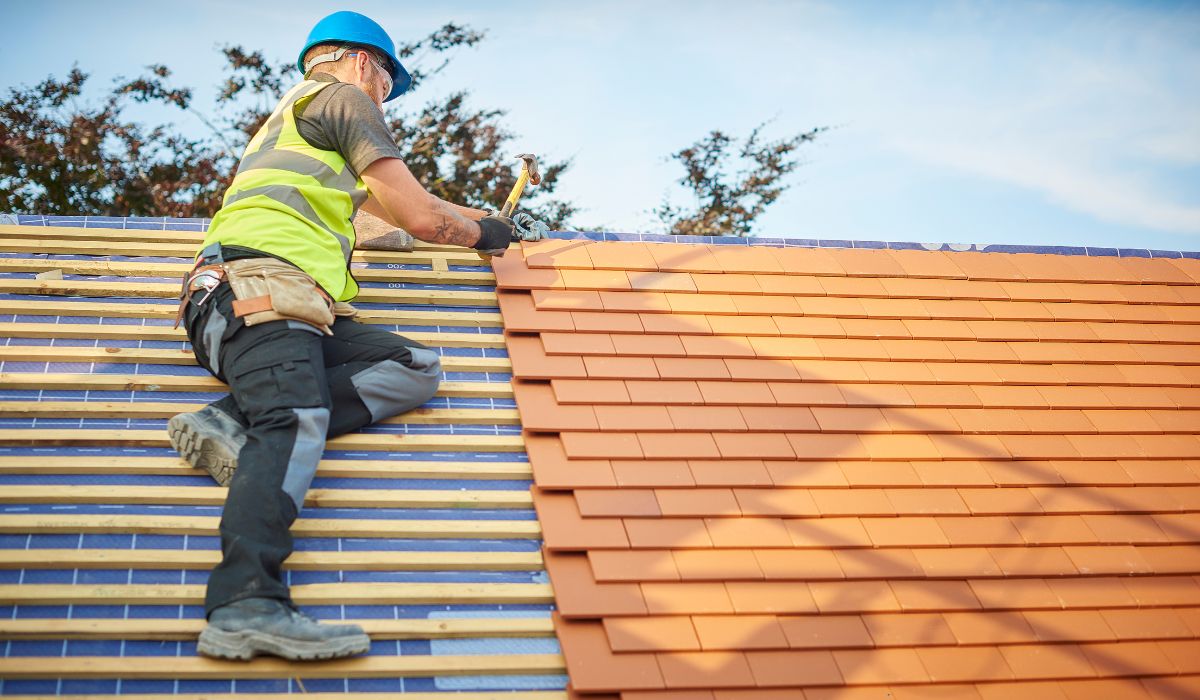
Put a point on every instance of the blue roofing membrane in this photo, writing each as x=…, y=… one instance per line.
x=34, y=575
x=158, y=223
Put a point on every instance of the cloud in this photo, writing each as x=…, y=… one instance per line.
x=1096, y=111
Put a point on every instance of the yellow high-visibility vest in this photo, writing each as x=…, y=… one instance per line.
x=294, y=201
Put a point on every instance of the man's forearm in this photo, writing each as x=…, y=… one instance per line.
x=451, y=227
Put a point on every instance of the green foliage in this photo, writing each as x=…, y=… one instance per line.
x=728, y=204
x=62, y=155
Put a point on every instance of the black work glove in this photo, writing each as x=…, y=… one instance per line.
x=496, y=234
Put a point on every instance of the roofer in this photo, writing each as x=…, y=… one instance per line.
x=265, y=311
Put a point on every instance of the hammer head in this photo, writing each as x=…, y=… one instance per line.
x=531, y=165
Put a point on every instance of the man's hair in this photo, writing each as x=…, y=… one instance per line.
x=330, y=48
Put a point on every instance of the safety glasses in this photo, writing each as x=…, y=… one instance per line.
x=387, y=75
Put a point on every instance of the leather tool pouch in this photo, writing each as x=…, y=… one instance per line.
x=343, y=308
x=267, y=289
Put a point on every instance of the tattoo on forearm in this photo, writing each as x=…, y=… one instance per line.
x=455, y=229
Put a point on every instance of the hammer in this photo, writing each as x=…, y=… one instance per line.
x=529, y=174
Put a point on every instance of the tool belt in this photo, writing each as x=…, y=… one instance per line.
x=266, y=289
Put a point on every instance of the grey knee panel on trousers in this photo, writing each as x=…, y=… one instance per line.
x=390, y=388
x=214, y=330
x=306, y=453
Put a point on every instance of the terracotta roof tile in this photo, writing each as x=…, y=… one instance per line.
x=513, y=273
x=664, y=392
x=675, y=323
x=1047, y=661
x=627, y=634
x=880, y=474
x=965, y=664
x=908, y=629
x=620, y=367
x=714, y=346
x=540, y=411
x=1016, y=594
x=711, y=669
x=881, y=666
x=678, y=445
x=602, y=503
x=553, y=470
x=1068, y=625
x=530, y=361
x=723, y=632
x=746, y=472
x=576, y=594
x=742, y=532
x=960, y=475
x=566, y=299
x=663, y=473
x=972, y=628
x=611, y=566
x=828, y=532
x=878, y=563
x=590, y=391
x=565, y=528
x=633, y=418
x=688, y=598
x=673, y=533
x=521, y=315
x=751, y=445
x=798, y=564
x=601, y=445
x=717, y=565
x=592, y=666
x=776, y=597
x=691, y=368
x=707, y=418
x=794, y=668
x=697, y=502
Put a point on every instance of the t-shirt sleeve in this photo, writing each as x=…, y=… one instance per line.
x=342, y=118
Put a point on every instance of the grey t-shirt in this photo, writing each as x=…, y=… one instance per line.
x=342, y=118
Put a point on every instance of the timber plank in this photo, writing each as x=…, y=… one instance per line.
x=114, y=309
x=109, y=268
x=149, y=382
x=170, y=290
x=435, y=695
x=109, y=355
x=307, y=594
x=361, y=441
x=170, y=559
x=94, y=233
x=116, y=409
x=101, y=248
x=91, y=331
x=187, y=630
x=365, y=468
x=215, y=496
x=195, y=667
x=70, y=523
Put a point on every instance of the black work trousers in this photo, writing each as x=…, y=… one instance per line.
x=292, y=387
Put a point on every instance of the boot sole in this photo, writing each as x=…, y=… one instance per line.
x=246, y=644
x=201, y=448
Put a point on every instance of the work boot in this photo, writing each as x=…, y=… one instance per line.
x=209, y=439
x=248, y=627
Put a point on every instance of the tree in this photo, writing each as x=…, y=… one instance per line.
x=728, y=204
x=61, y=155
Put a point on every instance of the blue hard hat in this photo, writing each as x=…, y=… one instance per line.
x=358, y=30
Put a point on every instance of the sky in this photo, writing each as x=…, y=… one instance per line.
x=1066, y=123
